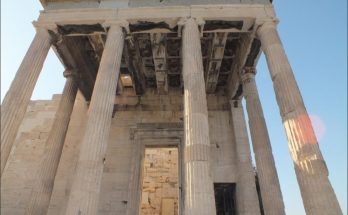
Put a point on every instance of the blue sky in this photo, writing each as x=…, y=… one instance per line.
x=314, y=35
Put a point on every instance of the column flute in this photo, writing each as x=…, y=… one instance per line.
x=17, y=98
x=41, y=194
x=85, y=188
x=271, y=194
x=199, y=192
x=311, y=171
x=247, y=201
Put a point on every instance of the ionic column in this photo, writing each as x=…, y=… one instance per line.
x=85, y=188
x=268, y=178
x=246, y=194
x=17, y=98
x=311, y=171
x=199, y=191
x=41, y=195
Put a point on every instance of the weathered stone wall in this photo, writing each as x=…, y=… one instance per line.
x=69, y=157
x=18, y=177
x=160, y=180
x=19, y=174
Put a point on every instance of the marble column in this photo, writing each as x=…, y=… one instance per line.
x=17, y=98
x=85, y=188
x=317, y=193
x=246, y=193
x=199, y=190
x=272, y=198
x=41, y=194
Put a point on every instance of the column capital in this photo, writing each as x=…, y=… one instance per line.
x=263, y=24
x=183, y=21
x=247, y=73
x=70, y=73
x=121, y=23
x=49, y=26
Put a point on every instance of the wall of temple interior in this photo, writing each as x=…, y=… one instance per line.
x=18, y=177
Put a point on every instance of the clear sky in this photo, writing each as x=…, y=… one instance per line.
x=314, y=35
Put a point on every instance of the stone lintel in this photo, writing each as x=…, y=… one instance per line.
x=170, y=15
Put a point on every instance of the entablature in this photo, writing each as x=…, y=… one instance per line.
x=152, y=51
x=61, y=4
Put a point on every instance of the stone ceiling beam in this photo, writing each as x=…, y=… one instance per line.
x=143, y=57
x=97, y=44
x=233, y=84
x=73, y=54
x=254, y=54
x=132, y=62
x=215, y=59
x=158, y=43
x=66, y=58
x=81, y=29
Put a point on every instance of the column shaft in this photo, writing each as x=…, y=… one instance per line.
x=85, y=188
x=268, y=178
x=199, y=192
x=312, y=175
x=246, y=194
x=17, y=98
x=41, y=195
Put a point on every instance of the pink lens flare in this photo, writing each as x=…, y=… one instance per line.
x=318, y=126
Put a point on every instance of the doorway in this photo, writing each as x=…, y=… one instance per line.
x=225, y=198
x=160, y=181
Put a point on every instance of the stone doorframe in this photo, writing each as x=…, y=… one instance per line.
x=153, y=135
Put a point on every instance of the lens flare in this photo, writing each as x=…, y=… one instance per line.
x=318, y=126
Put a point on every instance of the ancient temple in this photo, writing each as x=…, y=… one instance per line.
x=150, y=120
